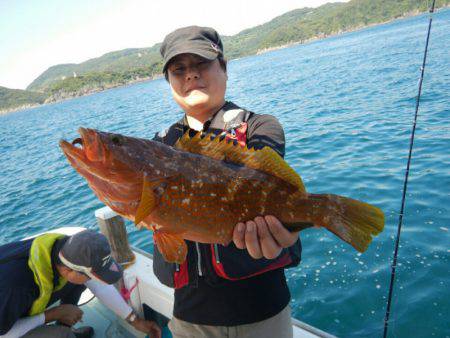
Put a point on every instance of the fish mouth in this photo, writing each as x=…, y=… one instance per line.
x=86, y=147
x=91, y=157
x=112, y=181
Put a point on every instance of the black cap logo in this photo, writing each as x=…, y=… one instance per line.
x=215, y=47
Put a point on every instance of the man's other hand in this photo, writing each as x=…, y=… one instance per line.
x=148, y=327
x=263, y=237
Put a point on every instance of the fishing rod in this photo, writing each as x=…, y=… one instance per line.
x=405, y=183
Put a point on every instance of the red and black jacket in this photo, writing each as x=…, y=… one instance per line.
x=214, y=264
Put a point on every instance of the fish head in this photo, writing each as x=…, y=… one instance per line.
x=95, y=156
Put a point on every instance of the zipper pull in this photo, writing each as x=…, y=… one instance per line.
x=199, y=259
x=216, y=253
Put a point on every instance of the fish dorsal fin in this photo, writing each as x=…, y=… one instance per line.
x=266, y=159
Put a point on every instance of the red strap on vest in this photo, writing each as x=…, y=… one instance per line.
x=181, y=277
x=277, y=263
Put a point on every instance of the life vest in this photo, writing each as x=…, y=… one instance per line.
x=233, y=267
x=40, y=263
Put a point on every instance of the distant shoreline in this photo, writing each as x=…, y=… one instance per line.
x=354, y=29
x=49, y=100
x=16, y=109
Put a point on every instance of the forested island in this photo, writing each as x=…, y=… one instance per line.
x=13, y=99
x=138, y=64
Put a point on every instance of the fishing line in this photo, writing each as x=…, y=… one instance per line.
x=405, y=183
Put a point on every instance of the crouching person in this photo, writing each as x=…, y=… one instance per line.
x=36, y=273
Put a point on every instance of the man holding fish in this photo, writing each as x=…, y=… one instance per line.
x=224, y=206
x=251, y=297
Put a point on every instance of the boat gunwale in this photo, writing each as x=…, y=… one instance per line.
x=295, y=322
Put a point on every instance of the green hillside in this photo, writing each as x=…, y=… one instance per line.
x=297, y=26
x=303, y=24
x=14, y=98
x=116, y=62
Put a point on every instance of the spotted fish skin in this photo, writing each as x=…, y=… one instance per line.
x=208, y=206
x=201, y=188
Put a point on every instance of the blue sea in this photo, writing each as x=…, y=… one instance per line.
x=347, y=107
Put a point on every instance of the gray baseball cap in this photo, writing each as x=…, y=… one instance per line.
x=89, y=252
x=202, y=41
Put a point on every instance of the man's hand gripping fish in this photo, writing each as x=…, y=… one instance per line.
x=203, y=186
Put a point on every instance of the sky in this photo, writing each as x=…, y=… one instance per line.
x=38, y=34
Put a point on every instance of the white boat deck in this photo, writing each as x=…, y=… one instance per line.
x=160, y=298
x=157, y=297
x=150, y=298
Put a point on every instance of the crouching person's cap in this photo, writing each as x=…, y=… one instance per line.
x=202, y=41
x=89, y=252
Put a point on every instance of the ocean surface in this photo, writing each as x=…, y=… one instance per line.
x=347, y=106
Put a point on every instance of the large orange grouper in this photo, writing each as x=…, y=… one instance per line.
x=204, y=185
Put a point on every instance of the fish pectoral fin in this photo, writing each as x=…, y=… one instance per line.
x=172, y=246
x=150, y=198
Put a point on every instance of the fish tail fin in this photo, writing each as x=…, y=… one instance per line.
x=353, y=221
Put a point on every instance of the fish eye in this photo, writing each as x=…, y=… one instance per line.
x=117, y=140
